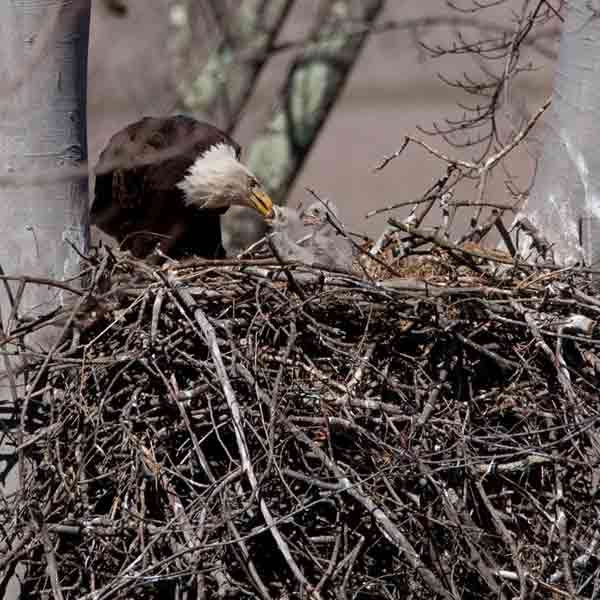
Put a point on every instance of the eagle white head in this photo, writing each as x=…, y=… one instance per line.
x=217, y=179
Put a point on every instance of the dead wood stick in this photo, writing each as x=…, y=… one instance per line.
x=561, y=515
x=507, y=536
x=210, y=338
x=182, y=296
x=385, y=523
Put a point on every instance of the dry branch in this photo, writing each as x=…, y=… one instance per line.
x=203, y=430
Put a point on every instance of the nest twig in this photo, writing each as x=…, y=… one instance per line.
x=203, y=431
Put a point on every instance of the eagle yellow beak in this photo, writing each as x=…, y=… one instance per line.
x=261, y=202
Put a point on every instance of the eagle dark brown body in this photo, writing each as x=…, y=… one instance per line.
x=137, y=198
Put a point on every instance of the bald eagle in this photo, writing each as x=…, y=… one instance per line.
x=164, y=182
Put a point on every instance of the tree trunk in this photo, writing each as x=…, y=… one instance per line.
x=222, y=88
x=314, y=82
x=43, y=61
x=564, y=204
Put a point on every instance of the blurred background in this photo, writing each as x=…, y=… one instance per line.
x=394, y=88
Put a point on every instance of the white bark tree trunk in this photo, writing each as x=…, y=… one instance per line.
x=43, y=75
x=564, y=204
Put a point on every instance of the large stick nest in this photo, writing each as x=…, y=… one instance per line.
x=250, y=430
